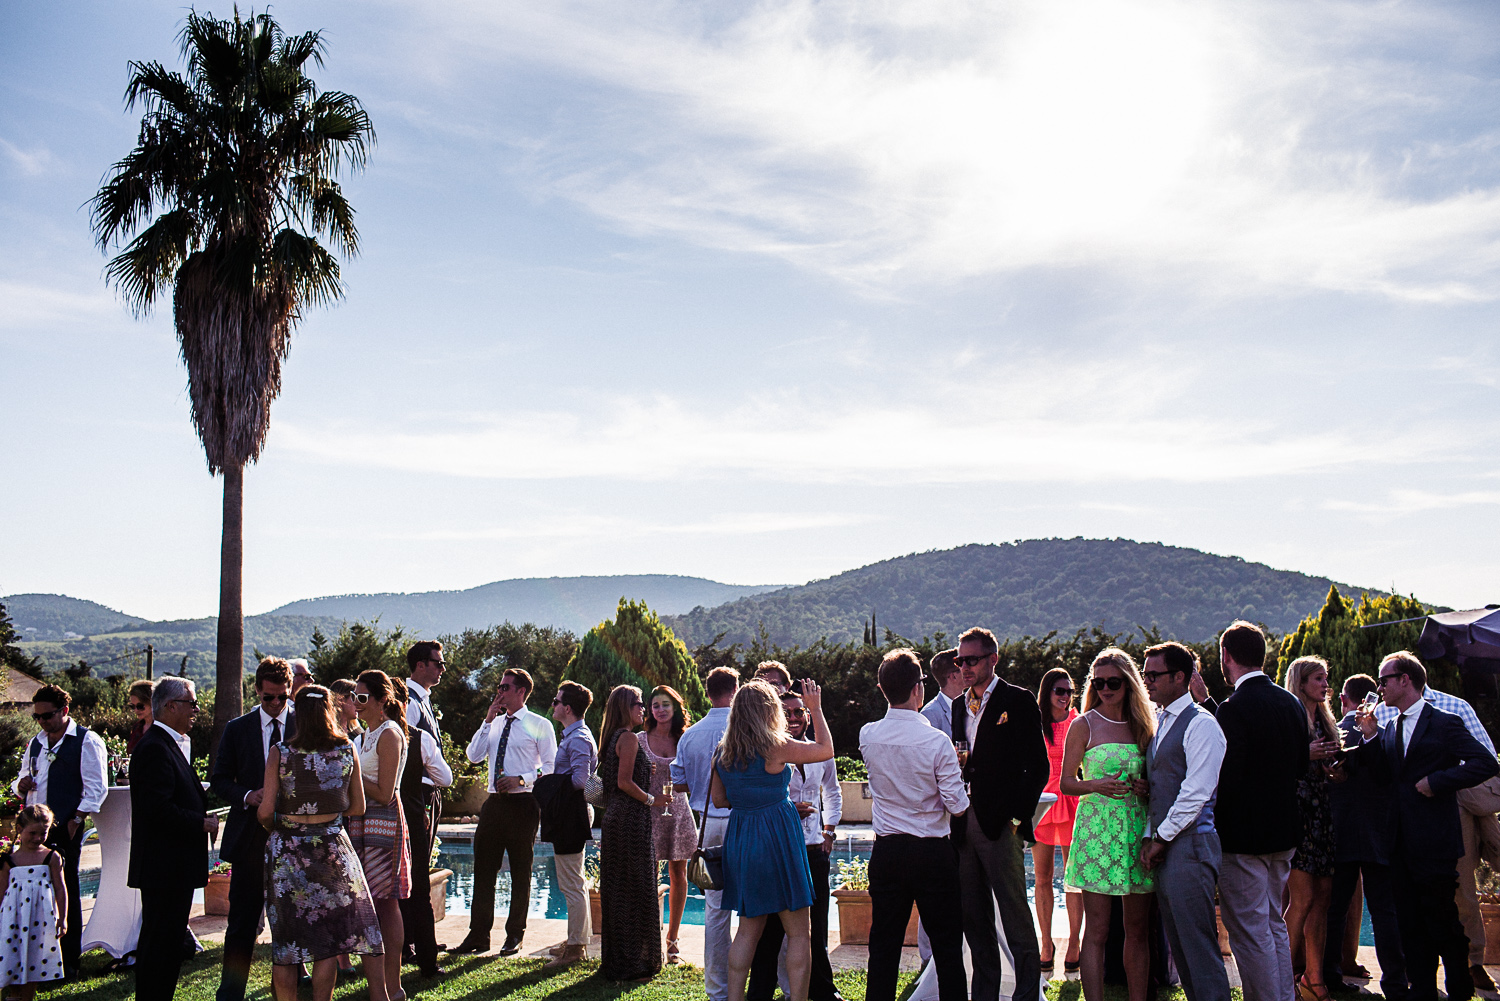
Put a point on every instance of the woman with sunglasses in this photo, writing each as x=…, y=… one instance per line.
x=1054, y=697
x=380, y=834
x=672, y=827
x=138, y=701
x=629, y=908
x=1108, y=741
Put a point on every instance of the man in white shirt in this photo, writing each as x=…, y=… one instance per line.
x=916, y=789
x=1183, y=762
x=814, y=791
x=692, y=773
x=64, y=767
x=421, y=799
x=518, y=748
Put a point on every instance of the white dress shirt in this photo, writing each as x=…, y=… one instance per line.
x=435, y=771
x=1408, y=728
x=530, y=751
x=183, y=741
x=93, y=761
x=1203, y=744
x=914, y=777
x=1385, y=714
x=971, y=719
x=1247, y=676
x=413, y=714
x=818, y=784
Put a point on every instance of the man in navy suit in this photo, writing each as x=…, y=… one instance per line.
x=169, y=832
x=238, y=777
x=1426, y=756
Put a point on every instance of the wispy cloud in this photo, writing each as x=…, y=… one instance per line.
x=582, y=526
x=1402, y=502
x=897, y=142
x=33, y=162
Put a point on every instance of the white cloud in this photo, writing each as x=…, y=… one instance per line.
x=580, y=526
x=34, y=162
x=1402, y=502
x=29, y=306
x=924, y=141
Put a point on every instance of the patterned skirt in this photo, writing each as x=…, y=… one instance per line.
x=380, y=839
x=317, y=901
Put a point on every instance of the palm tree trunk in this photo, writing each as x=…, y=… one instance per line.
x=230, y=666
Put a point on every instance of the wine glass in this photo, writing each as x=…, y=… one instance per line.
x=666, y=790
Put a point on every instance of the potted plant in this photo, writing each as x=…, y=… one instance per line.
x=591, y=883
x=216, y=893
x=1487, y=882
x=9, y=807
x=854, y=786
x=438, y=882
x=855, y=911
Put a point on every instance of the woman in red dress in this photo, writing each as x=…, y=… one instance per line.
x=1055, y=699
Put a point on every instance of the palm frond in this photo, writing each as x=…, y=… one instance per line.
x=149, y=263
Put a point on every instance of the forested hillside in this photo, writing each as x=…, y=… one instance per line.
x=54, y=616
x=1023, y=588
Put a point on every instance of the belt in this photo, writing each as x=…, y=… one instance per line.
x=909, y=837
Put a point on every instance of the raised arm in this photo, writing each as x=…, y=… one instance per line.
x=799, y=752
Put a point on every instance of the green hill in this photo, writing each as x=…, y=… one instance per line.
x=54, y=616
x=1023, y=588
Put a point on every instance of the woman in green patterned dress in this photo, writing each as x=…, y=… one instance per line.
x=1108, y=741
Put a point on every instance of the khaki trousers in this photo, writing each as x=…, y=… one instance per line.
x=1481, y=840
x=570, y=882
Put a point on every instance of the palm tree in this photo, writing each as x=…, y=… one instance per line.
x=235, y=172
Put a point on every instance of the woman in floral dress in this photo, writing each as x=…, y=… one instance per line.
x=317, y=902
x=1109, y=742
x=1310, y=884
x=672, y=829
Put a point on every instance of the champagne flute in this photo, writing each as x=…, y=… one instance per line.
x=666, y=790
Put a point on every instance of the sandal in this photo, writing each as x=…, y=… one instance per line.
x=1071, y=965
x=1309, y=991
x=673, y=957
x=1049, y=962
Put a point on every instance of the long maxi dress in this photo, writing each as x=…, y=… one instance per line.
x=629, y=908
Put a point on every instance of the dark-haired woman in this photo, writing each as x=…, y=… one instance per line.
x=672, y=830
x=1054, y=697
x=380, y=835
x=317, y=901
x=628, y=905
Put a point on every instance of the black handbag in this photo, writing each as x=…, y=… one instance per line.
x=706, y=868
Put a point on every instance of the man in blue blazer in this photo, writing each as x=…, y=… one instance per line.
x=238, y=776
x=1426, y=756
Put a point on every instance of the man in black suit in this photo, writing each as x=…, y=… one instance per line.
x=1363, y=843
x=421, y=801
x=169, y=833
x=1425, y=756
x=238, y=776
x=1005, y=770
x=1257, y=816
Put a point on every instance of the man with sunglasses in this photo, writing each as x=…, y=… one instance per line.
x=518, y=749
x=1006, y=769
x=1426, y=756
x=421, y=800
x=64, y=767
x=239, y=775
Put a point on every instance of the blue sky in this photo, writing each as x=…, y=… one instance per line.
x=763, y=292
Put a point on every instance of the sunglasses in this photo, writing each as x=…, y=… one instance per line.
x=796, y=712
x=1113, y=684
x=1380, y=681
x=1061, y=690
x=1151, y=676
x=191, y=702
x=361, y=697
x=504, y=686
x=44, y=717
x=557, y=702
x=268, y=699
x=138, y=707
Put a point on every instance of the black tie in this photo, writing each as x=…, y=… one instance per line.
x=1401, y=737
x=275, y=731
x=500, y=752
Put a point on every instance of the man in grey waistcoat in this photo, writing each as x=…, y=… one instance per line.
x=1183, y=761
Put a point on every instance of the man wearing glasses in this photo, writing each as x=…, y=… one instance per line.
x=1426, y=756
x=518, y=749
x=64, y=768
x=421, y=798
x=238, y=778
x=1006, y=769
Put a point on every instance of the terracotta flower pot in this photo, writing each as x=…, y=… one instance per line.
x=438, y=888
x=855, y=911
x=596, y=916
x=1491, y=914
x=216, y=894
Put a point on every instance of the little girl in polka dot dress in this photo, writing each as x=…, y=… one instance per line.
x=33, y=912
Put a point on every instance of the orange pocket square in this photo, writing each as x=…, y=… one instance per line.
x=1004, y=718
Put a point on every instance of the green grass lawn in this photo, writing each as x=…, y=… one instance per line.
x=483, y=978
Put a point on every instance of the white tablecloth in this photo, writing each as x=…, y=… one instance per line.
x=115, y=924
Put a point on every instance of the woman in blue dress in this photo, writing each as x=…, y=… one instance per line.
x=765, y=853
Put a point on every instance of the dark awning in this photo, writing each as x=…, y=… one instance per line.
x=1462, y=636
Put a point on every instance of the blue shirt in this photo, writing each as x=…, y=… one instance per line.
x=1385, y=715
x=577, y=754
x=695, y=757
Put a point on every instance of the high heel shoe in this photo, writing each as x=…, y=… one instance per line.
x=1308, y=991
x=673, y=957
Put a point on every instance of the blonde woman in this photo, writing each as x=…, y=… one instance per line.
x=765, y=854
x=1108, y=741
x=1310, y=883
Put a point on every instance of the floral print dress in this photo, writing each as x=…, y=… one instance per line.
x=317, y=901
x=1107, y=832
x=1315, y=855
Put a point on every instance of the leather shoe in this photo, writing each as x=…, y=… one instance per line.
x=558, y=949
x=469, y=945
x=570, y=955
x=512, y=944
x=435, y=971
x=1482, y=981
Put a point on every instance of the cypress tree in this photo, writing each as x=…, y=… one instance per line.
x=635, y=649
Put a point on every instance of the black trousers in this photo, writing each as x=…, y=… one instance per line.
x=905, y=869
x=507, y=824
x=70, y=849
x=416, y=910
x=247, y=898
x=159, y=955
x=1382, y=904
x=1427, y=913
x=768, y=954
